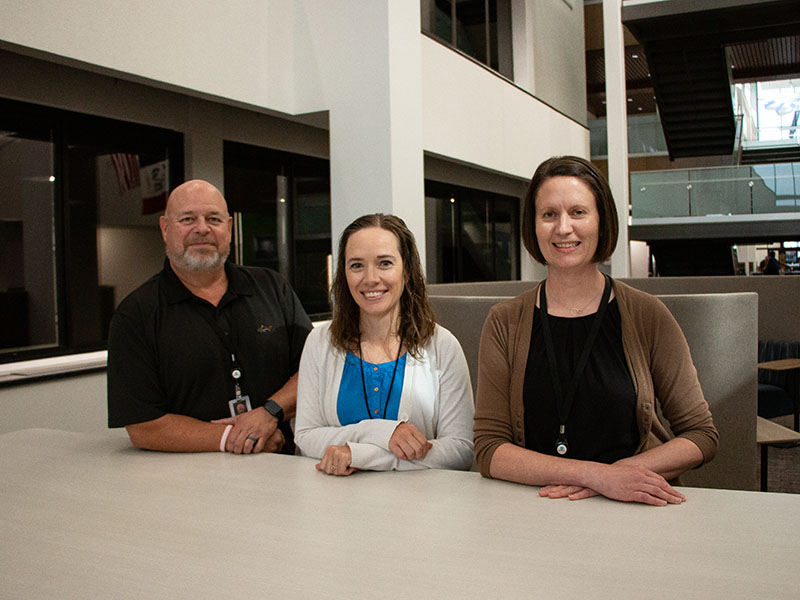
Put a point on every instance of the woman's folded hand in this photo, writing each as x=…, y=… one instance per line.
x=634, y=483
x=408, y=443
x=336, y=461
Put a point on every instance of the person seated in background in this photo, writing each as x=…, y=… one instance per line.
x=770, y=264
x=571, y=372
x=204, y=355
x=382, y=386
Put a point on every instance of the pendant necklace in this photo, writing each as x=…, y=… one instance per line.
x=577, y=311
x=564, y=400
x=364, y=381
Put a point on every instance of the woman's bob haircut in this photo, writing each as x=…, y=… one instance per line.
x=580, y=168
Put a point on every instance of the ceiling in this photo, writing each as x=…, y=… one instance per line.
x=768, y=56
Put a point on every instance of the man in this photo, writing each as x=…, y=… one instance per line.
x=204, y=355
x=771, y=264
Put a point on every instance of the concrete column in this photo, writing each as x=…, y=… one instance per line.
x=376, y=116
x=522, y=42
x=617, y=122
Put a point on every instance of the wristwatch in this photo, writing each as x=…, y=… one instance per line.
x=274, y=409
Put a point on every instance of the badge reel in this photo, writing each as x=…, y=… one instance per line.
x=240, y=404
x=561, y=443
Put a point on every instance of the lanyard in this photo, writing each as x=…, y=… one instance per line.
x=364, y=381
x=564, y=402
x=225, y=338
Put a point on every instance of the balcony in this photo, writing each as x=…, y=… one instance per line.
x=741, y=203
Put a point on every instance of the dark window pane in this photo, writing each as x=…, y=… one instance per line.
x=281, y=207
x=476, y=234
x=478, y=28
x=471, y=21
x=81, y=199
x=28, y=264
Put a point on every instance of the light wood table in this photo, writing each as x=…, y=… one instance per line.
x=769, y=433
x=86, y=516
x=784, y=364
x=787, y=364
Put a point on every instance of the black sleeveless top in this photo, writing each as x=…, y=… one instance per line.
x=601, y=425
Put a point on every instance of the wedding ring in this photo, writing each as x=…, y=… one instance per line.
x=333, y=468
x=252, y=439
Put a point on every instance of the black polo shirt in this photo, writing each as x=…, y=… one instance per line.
x=165, y=356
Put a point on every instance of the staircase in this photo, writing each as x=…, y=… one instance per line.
x=686, y=42
x=776, y=154
x=692, y=86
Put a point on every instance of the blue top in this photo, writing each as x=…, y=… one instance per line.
x=350, y=402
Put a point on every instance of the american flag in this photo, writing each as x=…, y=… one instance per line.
x=127, y=168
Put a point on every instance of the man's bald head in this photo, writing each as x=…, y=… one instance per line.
x=196, y=227
x=193, y=189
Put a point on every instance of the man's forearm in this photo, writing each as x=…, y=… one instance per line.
x=176, y=433
x=287, y=397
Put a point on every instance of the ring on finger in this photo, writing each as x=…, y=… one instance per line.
x=253, y=439
x=333, y=468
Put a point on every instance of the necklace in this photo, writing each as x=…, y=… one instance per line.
x=575, y=311
x=364, y=381
x=564, y=400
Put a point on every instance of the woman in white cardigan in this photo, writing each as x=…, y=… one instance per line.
x=382, y=386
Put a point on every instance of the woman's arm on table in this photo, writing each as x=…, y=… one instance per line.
x=580, y=479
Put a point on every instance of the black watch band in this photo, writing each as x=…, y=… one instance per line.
x=274, y=409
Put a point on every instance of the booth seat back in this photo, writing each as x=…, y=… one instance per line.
x=778, y=312
x=722, y=333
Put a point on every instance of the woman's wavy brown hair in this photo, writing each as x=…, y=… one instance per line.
x=416, y=316
x=580, y=168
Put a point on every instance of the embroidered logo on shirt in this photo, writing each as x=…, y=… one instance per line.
x=264, y=329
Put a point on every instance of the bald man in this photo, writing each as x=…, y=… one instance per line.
x=204, y=355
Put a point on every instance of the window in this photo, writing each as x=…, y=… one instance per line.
x=79, y=203
x=479, y=28
x=281, y=205
x=476, y=234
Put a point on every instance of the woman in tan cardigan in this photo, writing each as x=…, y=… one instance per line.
x=571, y=371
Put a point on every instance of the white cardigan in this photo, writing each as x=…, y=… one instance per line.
x=436, y=398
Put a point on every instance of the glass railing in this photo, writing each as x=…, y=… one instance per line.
x=754, y=189
x=645, y=136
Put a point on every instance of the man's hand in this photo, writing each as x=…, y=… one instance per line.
x=407, y=443
x=336, y=461
x=252, y=432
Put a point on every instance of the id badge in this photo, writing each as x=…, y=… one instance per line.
x=239, y=405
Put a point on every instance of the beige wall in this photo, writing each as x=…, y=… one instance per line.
x=72, y=403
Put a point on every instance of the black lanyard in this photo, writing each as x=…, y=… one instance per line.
x=364, y=381
x=564, y=403
x=225, y=338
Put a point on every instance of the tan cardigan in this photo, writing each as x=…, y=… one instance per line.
x=658, y=360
